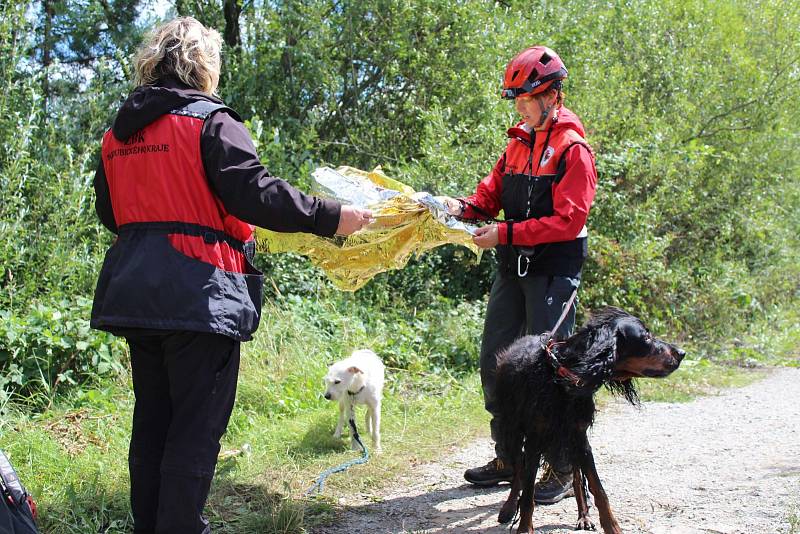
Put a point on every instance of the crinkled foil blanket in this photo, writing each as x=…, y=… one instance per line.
x=405, y=223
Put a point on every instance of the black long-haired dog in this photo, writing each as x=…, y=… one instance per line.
x=546, y=398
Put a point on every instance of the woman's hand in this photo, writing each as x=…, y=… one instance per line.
x=486, y=236
x=352, y=219
x=452, y=205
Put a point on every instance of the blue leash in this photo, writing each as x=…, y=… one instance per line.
x=320, y=482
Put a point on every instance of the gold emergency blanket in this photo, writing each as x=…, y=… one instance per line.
x=405, y=223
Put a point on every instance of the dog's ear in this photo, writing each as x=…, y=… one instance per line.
x=354, y=370
x=602, y=352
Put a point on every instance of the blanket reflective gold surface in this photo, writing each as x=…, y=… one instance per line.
x=406, y=223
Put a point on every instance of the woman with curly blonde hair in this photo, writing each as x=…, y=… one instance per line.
x=183, y=48
x=181, y=186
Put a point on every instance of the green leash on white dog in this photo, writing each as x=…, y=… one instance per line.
x=320, y=482
x=355, y=380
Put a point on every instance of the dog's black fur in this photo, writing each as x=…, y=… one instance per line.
x=548, y=414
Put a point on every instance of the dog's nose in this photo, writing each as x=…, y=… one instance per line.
x=681, y=353
x=328, y=396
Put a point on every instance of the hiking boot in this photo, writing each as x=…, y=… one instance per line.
x=490, y=474
x=553, y=486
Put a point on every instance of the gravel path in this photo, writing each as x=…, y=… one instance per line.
x=722, y=465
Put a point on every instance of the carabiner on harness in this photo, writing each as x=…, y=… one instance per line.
x=520, y=272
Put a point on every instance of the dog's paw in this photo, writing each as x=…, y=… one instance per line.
x=507, y=513
x=584, y=523
x=337, y=434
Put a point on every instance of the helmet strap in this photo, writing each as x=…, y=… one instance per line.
x=545, y=112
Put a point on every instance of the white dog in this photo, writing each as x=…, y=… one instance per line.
x=357, y=380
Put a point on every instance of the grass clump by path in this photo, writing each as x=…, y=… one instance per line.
x=73, y=456
x=793, y=520
x=695, y=378
x=291, y=454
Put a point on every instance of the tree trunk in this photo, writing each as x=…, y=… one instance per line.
x=47, y=6
x=232, y=9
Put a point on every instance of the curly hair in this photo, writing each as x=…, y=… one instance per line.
x=182, y=48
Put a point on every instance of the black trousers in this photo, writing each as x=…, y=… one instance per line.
x=185, y=386
x=519, y=306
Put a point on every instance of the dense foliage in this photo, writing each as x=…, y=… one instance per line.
x=692, y=108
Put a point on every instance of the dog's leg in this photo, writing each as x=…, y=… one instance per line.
x=509, y=509
x=376, y=426
x=338, y=432
x=514, y=441
x=607, y=520
x=532, y=460
x=368, y=420
x=584, y=523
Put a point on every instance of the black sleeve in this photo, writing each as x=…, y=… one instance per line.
x=102, y=203
x=247, y=189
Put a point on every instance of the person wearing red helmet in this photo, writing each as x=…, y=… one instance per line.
x=544, y=182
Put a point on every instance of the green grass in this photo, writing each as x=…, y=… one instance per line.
x=73, y=456
x=290, y=453
x=773, y=341
x=794, y=520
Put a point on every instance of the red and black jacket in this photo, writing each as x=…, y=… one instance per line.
x=544, y=182
x=180, y=184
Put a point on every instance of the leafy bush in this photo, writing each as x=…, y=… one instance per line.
x=442, y=336
x=48, y=347
x=696, y=224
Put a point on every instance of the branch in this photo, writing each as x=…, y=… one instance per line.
x=770, y=87
x=360, y=150
x=712, y=133
x=79, y=61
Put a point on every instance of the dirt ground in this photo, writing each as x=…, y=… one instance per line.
x=725, y=464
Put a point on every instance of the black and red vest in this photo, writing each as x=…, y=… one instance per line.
x=528, y=180
x=181, y=261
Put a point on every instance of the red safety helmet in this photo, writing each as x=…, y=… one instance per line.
x=532, y=71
